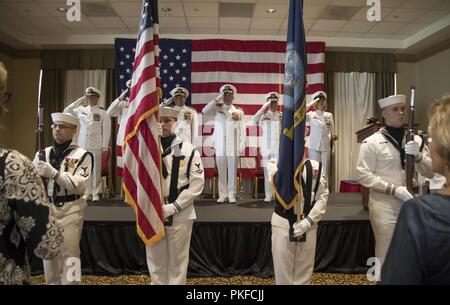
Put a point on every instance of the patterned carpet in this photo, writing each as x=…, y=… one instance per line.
x=317, y=279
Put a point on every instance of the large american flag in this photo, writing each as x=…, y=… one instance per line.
x=202, y=66
x=142, y=155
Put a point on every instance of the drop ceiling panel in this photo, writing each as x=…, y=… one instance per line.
x=234, y=23
x=431, y=16
x=131, y=22
x=266, y=23
x=262, y=32
x=29, y=9
x=376, y=36
x=198, y=9
x=327, y=25
x=5, y=11
x=313, y=11
x=261, y=8
x=404, y=15
x=360, y=3
x=357, y=26
x=348, y=35
x=204, y=23
x=392, y=3
x=44, y=22
x=127, y=9
x=387, y=27
x=427, y=4
x=319, y=33
x=51, y=8
x=361, y=15
x=108, y=22
x=83, y=24
x=172, y=23
x=175, y=7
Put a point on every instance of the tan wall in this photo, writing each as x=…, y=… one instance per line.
x=5, y=121
x=20, y=124
x=431, y=77
x=433, y=81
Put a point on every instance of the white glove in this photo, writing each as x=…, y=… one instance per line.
x=168, y=210
x=122, y=95
x=45, y=169
x=167, y=102
x=301, y=227
x=401, y=192
x=412, y=148
x=128, y=83
x=219, y=98
x=266, y=104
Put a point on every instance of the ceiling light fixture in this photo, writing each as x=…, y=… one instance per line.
x=61, y=9
x=167, y=11
x=270, y=10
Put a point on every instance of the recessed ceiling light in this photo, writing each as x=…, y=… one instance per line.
x=167, y=11
x=270, y=10
x=61, y=9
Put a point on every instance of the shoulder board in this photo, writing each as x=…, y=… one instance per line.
x=239, y=108
x=192, y=108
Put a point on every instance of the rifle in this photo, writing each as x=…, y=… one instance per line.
x=410, y=184
x=40, y=132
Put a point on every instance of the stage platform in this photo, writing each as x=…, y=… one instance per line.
x=341, y=207
x=227, y=239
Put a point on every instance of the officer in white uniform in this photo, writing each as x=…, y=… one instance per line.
x=187, y=123
x=293, y=259
x=95, y=132
x=322, y=131
x=183, y=181
x=119, y=108
x=269, y=119
x=229, y=139
x=381, y=168
x=67, y=173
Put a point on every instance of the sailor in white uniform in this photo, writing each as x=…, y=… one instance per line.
x=270, y=121
x=187, y=123
x=229, y=139
x=67, y=173
x=294, y=241
x=381, y=168
x=182, y=182
x=95, y=132
x=322, y=131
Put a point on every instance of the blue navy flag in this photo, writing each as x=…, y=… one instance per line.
x=174, y=58
x=292, y=138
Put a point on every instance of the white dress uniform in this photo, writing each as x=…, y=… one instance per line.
x=168, y=259
x=229, y=142
x=378, y=169
x=119, y=108
x=95, y=132
x=294, y=261
x=65, y=192
x=187, y=121
x=320, y=136
x=270, y=122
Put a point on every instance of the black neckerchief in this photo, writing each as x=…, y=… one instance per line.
x=395, y=136
x=166, y=143
x=397, y=133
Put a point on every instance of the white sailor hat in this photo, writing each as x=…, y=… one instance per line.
x=179, y=91
x=272, y=96
x=319, y=94
x=92, y=91
x=392, y=100
x=66, y=118
x=168, y=112
x=228, y=88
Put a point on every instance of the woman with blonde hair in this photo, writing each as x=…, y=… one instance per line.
x=420, y=249
x=26, y=226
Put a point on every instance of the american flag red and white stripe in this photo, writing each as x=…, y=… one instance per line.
x=203, y=66
x=141, y=179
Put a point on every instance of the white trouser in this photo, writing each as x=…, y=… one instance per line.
x=267, y=184
x=320, y=156
x=227, y=171
x=293, y=262
x=383, y=220
x=168, y=259
x=93, y=188
x=66, y=267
